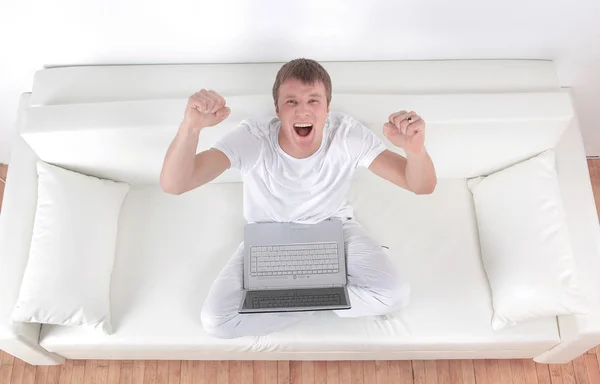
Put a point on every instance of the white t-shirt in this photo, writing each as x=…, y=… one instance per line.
x=281, y=188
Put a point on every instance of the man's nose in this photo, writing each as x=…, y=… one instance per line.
x=301, y=110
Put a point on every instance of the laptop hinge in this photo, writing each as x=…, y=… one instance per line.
x=298, y=287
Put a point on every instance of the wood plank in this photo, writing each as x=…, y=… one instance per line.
x=101, y=376
x=493, y=371
x=78, y=372
x=443, y=371
x=151, y=371
x=481, y=376
x=431, y=373
x=568, y=373
x=555, y=373
x=543, y=373
x=369, y=375
x=592, y=369
x=308, y=372
x=175, y=371
x=394, y=371
x=505, y=371
x=406, y=371
x=381, y=372
x=5, y=373
x=518, y=371
x=333, y=372
x=468, y=371
x=29, y=374
x=597, y=348
x=137, y=376
x=53, y=374
x=126, y=375
x=66, y=373
x=581, y=375
x=594, y=171
x=3, y=176
x=235, y=372
x=41, y=374
x=162, y=372
x=187, y=372
x=199, y=374
x=455, y=371
x=400, y=371
x=419, y=375
x=357, y=369
x=212, y=371
x=277, y=372
x=222, y=372
x=345, y=372
x=17, y=372
x=90, y=371
x=260, y=372
x=320, y=372
x=530, y=371
x=247, y=372
x=295, y=372
x=7, y=358
x=3, y=171
x=114, y=371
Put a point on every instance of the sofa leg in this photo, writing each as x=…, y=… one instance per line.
x=30, y=353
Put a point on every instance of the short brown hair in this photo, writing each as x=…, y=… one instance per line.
x=307, y=71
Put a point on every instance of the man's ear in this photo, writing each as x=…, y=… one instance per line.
x=276, y=109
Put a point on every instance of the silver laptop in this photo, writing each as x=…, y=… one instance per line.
x=294, y=267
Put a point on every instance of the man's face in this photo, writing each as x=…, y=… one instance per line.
x=302, y=109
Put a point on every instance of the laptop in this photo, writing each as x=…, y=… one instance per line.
x=291, y=267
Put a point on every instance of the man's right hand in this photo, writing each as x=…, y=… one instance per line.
x=205, y=109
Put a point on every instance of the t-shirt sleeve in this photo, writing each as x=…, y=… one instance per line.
x=242, y=146
x=364, y=146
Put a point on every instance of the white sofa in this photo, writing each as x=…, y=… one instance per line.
x=116, y=122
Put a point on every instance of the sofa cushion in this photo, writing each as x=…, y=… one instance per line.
x=67, y=278
x=525, y=245
x=171, y=248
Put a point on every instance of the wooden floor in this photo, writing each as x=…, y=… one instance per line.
x=3, y=172
x=583, y=370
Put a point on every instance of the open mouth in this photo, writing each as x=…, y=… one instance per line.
x=303, y=129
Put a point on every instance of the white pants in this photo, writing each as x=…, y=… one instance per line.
x=374, y=288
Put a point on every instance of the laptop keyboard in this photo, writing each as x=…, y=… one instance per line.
x=301, y=259
x=297, y=300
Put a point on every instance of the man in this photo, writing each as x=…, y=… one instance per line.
x=298, y=168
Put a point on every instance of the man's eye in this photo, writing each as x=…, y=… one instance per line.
x=291, y=101
x=314, y=101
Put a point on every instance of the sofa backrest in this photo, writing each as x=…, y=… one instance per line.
x=117, y=122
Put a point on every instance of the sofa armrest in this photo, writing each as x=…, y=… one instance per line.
x=578, y=333
x=16, y=227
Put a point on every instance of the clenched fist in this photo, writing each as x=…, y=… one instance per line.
x=406, y=130
x=205, y=109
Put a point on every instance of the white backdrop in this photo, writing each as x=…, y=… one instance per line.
x=35, y=33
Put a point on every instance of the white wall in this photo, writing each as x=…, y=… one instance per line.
x=35, y=33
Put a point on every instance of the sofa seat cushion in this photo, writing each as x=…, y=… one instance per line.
x=170, y=249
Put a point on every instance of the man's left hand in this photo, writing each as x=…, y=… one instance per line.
x=406, y=130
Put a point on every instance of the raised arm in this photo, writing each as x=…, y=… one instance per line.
x=415, y=172
x=183, y=169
